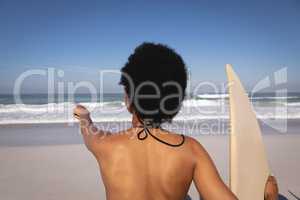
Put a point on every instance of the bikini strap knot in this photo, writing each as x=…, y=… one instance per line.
x=145, y=129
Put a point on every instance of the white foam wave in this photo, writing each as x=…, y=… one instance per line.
x=116, y=111
x=226, y=96
x=201, y=102
x=212, y=96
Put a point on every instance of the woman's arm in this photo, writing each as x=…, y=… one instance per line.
x=206, y=177
x=210, y=185
x=90, y=133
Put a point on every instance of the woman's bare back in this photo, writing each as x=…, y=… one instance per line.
x=145, y=169
x=133, y=168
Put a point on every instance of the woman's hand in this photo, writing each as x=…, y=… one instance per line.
x=271, y=189
x=82, y=114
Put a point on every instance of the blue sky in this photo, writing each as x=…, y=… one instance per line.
x=82, y=37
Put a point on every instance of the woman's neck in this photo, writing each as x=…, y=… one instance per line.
x=135, y=121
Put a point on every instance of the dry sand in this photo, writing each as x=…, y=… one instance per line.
x=45, y=170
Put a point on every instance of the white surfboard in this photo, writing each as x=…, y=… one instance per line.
x=249, y=168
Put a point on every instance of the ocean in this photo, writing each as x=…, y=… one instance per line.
x=44, y=108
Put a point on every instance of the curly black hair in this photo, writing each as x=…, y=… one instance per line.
x=155, y=79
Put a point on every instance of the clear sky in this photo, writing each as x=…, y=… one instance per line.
x=82, y=37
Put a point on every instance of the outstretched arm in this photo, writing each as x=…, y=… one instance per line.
x=89, y=132
x=206, y=177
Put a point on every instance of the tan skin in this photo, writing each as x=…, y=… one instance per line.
x=133, y=169
x=271, y=189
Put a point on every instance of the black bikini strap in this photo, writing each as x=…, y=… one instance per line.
x=147, y=132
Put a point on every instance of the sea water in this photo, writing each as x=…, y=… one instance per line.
x=44, y=108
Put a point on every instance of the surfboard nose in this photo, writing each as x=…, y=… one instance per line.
x=228, y=66
x=229, y=69
x=230, y=73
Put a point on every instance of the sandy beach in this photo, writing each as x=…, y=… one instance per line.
x=143, y=64
x=49, y=161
